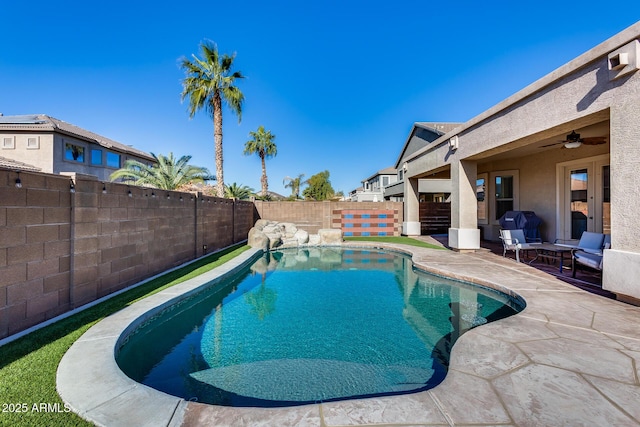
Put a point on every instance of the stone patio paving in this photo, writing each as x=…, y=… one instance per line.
x=570, y=358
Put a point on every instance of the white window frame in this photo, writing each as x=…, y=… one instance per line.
x=11, y=145
x=487, y=215
x=36, y=143
x=491, y=208
x=594, y=166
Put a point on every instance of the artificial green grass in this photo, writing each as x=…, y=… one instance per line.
x=393, y=239
x=28, y=365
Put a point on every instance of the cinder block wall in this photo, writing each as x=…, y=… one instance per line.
x=312, y=216
x=61, y=249
x=35, y=249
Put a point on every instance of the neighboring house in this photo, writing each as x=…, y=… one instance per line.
x=55, y=146
x=433, y=190
x=372, y=189
x=536, y=150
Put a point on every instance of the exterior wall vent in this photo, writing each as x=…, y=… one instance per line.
x=624, y=60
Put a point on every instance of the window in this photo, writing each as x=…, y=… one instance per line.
x=606, y=199
x=481, y=189
x=503, y=194
x=96, y=156
x=74, y=153
x=8, y=143
x=385, y=181
x=400, y=174
x=33, y=143
x=606, y=184
x=113, y=160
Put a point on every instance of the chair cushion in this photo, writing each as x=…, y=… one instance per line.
x=591, y=240
x=589, y=259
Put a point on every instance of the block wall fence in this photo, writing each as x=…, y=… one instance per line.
x=61, y=249
x=312, y=216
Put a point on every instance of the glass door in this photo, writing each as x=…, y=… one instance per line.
x=584, y=197
x=579, y=202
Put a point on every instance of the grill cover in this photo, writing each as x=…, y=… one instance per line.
x=527, y=221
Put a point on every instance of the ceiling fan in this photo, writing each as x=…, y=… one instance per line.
x=573, y=140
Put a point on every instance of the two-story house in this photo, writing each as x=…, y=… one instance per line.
x=51, y=145
x=372, y=189
x=432, y=190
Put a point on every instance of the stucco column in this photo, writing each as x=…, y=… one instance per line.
x=411, y=224
x=621, y=264
x=464, y=233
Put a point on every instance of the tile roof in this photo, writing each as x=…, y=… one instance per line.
x=42, y=122
x=16, y=165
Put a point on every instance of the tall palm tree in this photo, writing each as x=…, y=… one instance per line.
x=261, y=143
x=207, y=84
x=236, y=191
x=168, y=173
x=294, y=184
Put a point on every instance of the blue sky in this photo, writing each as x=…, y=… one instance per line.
x=339, y=83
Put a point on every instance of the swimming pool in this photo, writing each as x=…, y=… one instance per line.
x=310, y=325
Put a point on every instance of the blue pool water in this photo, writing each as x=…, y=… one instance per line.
x=303, y=326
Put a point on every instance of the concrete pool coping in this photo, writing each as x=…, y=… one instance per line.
x=570, y=358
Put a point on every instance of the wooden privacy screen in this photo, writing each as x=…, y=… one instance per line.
x=435, y=218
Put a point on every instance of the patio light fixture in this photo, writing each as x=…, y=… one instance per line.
x=572, y=144
x=573, y=140
x=18, y=181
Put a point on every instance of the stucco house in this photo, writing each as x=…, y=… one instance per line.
x=567, y=143
x=422, y=134
x=54, y=146
x=372, y=189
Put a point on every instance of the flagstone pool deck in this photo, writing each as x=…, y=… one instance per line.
x=570, y=358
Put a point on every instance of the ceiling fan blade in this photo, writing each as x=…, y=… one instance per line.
x=595, y=140
x=552, y=144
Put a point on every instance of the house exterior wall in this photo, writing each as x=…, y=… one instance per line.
x=41, y=157
x=578, y=94
x=60, y=250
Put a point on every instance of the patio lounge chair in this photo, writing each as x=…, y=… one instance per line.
x=514, y=240
x=590, y=257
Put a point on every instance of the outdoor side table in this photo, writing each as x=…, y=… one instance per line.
x=550, y=251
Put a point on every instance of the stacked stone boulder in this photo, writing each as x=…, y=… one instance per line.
x=267, y=235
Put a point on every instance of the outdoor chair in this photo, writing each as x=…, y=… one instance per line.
x=590, y=257
x=514, y=240
x=589, y=242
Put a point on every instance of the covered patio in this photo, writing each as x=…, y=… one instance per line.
x=564, y=147
x=586, y=279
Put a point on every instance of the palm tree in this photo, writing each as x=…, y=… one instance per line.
x=261, y=143
x=208, y=82
x=166, y=174
x=240, y=192
x=294, y=184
